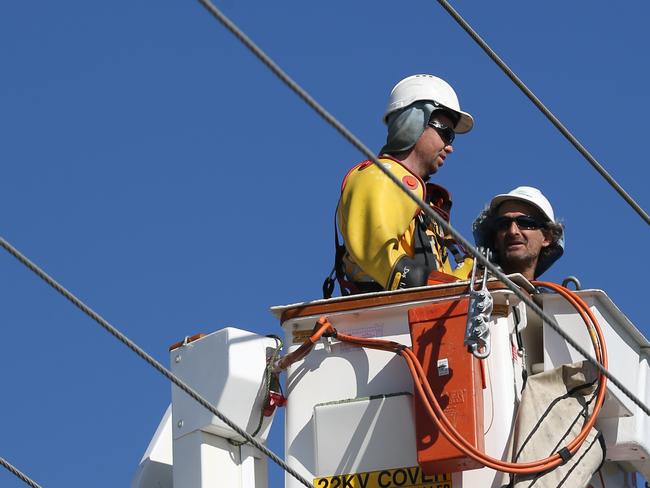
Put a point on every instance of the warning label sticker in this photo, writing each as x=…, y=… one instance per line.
x=388, y=478
x=300, y=336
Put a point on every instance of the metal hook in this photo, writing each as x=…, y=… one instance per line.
x=477, y=331
x=572, y=279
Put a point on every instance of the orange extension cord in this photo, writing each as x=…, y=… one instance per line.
x=423, y=388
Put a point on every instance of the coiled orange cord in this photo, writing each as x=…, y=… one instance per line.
x=423, y=388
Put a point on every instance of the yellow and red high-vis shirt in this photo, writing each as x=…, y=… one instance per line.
x=378, y=224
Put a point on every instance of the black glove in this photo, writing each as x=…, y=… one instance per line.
x=412, y=273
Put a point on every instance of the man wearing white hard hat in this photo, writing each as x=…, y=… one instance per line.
x=521, y=230
x=388, y=242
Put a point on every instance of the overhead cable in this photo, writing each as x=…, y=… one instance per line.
x=549, y=115
x=341, y=129
x=148, y=358
x=19, y=474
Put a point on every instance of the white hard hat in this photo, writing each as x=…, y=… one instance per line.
x=427, y=87
x=526, y=194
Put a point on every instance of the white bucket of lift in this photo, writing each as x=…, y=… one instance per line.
x=227, y=369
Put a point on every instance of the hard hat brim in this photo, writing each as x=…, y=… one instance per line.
x=504, y=197
x=465, y=122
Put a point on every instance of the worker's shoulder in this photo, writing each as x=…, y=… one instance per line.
x=367, y=173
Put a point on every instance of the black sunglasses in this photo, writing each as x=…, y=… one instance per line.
x=524, y=222
x=447, y=134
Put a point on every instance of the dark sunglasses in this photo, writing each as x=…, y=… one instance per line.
x=524, y=222
x=447, y=134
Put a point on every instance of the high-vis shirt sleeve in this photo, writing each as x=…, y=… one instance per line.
x=376, y=218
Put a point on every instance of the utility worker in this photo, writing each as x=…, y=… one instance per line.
x=520, y=229
x=388, y=241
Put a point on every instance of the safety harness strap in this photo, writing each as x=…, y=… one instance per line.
x=347, y=287
x=440, y=200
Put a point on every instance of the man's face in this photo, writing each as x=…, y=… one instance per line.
x=431, y=149
x=519, y=249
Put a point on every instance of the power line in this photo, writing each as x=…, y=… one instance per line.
x=148, y=358
x=359, y=145
x=341, y=129
x=19, y=474
x=549, y=115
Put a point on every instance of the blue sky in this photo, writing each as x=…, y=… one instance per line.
x=161, y=173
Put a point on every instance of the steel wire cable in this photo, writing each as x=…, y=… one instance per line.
x=149, y=359
x=341, y=129
x=427, y=210
x=549, y=115
x=18, y=473
x=362, y=148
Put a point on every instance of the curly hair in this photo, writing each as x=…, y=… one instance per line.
x=554, y=231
